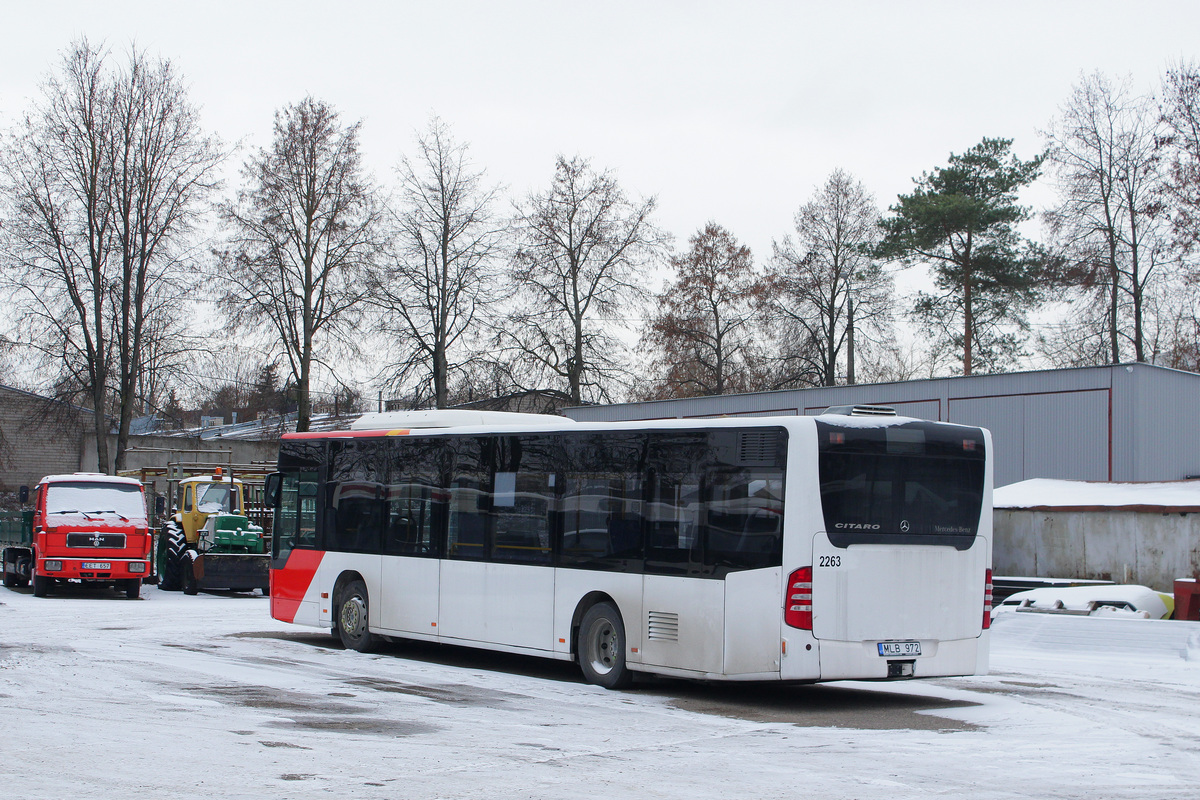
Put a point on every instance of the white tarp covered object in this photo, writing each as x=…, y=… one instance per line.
x=1097, y=600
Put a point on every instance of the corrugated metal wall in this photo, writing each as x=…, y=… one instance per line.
x=1125, y=423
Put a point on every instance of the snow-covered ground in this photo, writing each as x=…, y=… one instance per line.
x=175, y=696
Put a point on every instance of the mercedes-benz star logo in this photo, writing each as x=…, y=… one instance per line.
x=904, y=526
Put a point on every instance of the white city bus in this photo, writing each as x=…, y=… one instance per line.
x=772, y=548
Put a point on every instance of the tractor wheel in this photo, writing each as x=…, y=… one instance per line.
x=187, y=567
x=172, y=546
x=133, y=588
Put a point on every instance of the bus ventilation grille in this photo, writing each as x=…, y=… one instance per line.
x=663, y=626
x=758, y=448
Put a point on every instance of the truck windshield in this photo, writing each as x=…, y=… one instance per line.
x=84, y=497
x=215, y=497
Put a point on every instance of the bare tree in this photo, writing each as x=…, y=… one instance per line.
x=1180, y=110
x=1109, y=221
x=701, y=334
x=105, y=179
x=827, y=298
x=305, y=227
x=582, y=248
x=165, y=356
x=163, y=169
x=442, y=277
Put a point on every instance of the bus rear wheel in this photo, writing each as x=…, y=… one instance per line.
x=602, y=648
x=352, y=618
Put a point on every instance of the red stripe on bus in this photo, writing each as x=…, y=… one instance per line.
x=290, y=584
x=345, y=434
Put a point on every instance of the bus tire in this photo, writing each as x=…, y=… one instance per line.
x=602, y=648
x=41, y=585
x=133, y=588
x=352, y=625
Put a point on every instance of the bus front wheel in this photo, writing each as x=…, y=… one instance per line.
x=352, y=618
x=602, y=648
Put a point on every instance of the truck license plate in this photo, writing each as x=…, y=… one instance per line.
x=97, y=565
x=893, y=649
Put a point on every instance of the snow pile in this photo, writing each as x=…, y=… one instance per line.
x=1053, y=493
x=1087, y=638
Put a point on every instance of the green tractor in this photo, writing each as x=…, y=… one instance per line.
x=208, y=542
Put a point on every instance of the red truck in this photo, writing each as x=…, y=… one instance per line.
x=85, y=527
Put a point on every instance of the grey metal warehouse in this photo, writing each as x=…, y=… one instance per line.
x=1128, y=422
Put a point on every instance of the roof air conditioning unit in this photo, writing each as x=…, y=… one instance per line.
x=862, y=411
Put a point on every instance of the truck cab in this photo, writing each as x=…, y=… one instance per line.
x=87, y=527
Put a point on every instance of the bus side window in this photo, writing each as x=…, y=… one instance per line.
x=355, y=503
x=468, y=519
x=742, y=518
x=523, y=506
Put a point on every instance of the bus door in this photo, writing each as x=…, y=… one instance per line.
x=294, y=559
x=684, y=607
x=497, y=577
x=409, y=593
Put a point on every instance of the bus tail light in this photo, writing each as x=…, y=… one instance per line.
x=797, y=608
x=987, y=600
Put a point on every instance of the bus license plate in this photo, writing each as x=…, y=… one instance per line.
x=96, y=565
x=893, y=649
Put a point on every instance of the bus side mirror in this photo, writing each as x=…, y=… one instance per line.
x=24, y=493
x=271, y=490
x=160, y=505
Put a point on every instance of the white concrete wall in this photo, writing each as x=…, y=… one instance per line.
x=1151, y=549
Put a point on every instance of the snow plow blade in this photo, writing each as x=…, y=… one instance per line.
x=236, y=572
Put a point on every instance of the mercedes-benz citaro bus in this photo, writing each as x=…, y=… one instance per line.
x=851, y=545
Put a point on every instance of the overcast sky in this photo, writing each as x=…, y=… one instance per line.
x=730, y=112
x=727, y=112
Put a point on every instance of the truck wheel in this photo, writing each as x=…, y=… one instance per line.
x=41, y=585
x=133, y=588
x=602, y=648
x=171, y=544
x=352, y=618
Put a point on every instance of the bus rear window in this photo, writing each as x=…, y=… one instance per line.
x=913, y=483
